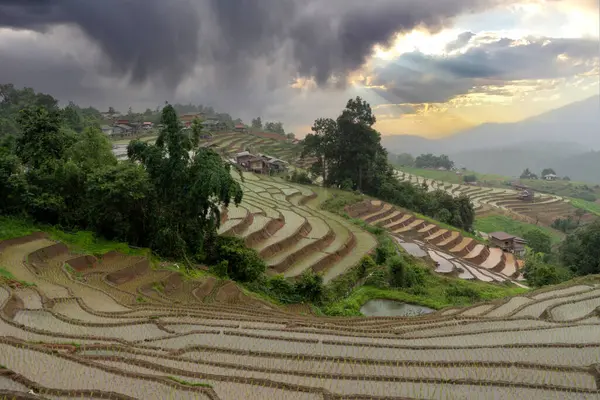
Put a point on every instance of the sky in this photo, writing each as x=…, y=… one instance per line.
x=427, y=67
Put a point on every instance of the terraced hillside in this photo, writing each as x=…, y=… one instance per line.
x=456, y=255
x=545, y=209
x=83, y=332
x=285, y=224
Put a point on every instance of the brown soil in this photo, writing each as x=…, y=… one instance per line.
x=316, y=246
x=275, y=248
x=83, y=263
x=22, y=240
x=128, y=274
x=43, y=254
x=269, y=230
x=12, y=306
x=205, y=288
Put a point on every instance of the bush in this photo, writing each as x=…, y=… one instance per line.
x=538, y=273
x=384, y=251
x=310, y=287
x=404, y=274
x=300, y=177
x=243, y=263
x=470, y=178
x=220, y=269
x=460, y=291
x=538, y=240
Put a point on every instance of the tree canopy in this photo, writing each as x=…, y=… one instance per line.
x=433, y=161
x=350, y=156
x=581, y=250
x=167, y=197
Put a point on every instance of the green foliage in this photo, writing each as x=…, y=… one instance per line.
x=243, y=263
x=581, y=250
x=538, y=273
x=547, y=171
x=527, y=174
x=538, y=240
x=454, y=292
x=7, y=275
x=404, y=273
x=220, y=269
x=501, y=223
x=310, y=287
x=566, y=225
x=300, y=177
x=432, y=161
x=385, y=250
x=470, y=178
x=404, y=160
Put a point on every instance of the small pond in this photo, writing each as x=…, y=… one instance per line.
x=392, y=308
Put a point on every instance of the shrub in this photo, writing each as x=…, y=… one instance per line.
x=220, y=269
x=538, y=273
x=300, y=177
x=469, y=178
x=243, y=263
x=310, y=287
x=404, y=274
x=538, y=240
x=460, y=291
x=384, y=251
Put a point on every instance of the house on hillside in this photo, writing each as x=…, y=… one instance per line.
x=276, y=165
x=107, y=130
x=122, y=129
x=240, y=128
x=550, y=177
x=258, y=165
x=147, y=125
x=508, y=242
x=526, y=195
x=243, y=158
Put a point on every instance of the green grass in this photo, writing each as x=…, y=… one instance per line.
x=590, y=207
x=78, y=242
x=433, y=295
x=7, y=275
x=496, y=223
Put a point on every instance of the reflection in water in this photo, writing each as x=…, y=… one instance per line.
x=392, y=308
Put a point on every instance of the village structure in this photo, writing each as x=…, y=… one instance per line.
x=260, y=164
x=508, y=242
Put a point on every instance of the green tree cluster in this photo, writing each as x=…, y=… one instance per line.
x=433, y=161
x=581, y=250
x=350, y=156
x=527, y=174
x=168, y=197
x=275, y=127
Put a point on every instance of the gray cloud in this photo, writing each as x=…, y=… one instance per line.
x=149, y=38
x=419, y=78
x=461, y=41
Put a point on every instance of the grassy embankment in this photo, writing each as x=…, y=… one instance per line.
x=435, y=291
x=495, y=223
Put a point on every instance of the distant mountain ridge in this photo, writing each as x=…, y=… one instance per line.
x=563, y=139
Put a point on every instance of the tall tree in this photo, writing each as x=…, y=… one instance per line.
x=257, y=123
x=190, y=191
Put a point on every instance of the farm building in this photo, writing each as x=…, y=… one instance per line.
x=188, y=118
x=277, y=165
x=550, y=177
x=147, y=125
x=508, y=242
x=240, y=128
x=122, y=129
x=107, y=130
x=258, y=165
x=243, y=158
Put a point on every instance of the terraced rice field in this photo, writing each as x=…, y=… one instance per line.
x=454, y=255
x=285, y=224
x=545, y=208
x=205, y=339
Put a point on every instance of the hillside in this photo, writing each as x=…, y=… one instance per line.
x=150, y=334
x=563, y=139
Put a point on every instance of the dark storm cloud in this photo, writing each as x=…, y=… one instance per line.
x=150, y=38
x=144, y=39
x=419, y=78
